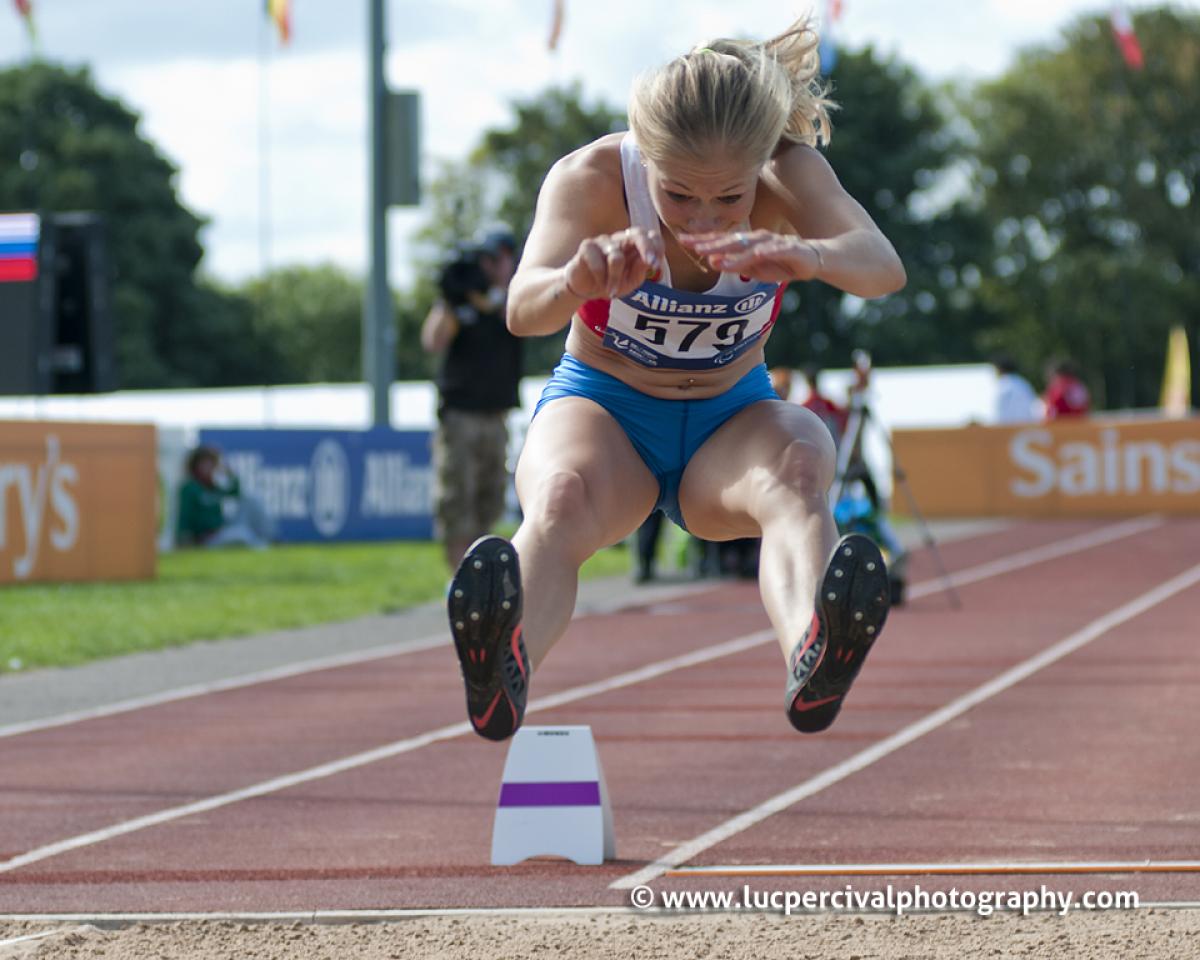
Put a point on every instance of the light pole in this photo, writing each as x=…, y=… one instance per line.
x=378, y=328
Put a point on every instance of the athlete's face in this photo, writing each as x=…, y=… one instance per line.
x=703, y=197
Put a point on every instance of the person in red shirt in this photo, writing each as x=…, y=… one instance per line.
x=1066, y=395
x=833, y=416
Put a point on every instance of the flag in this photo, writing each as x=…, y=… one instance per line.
x=827, y=52
x=19, y=237
x=1127, y=41
x=1177, y=378
x=556, y=24
x=281, y=12
x=25, y=9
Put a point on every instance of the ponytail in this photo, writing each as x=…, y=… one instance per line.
x=796, y=51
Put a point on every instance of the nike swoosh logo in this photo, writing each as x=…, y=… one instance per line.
x=800, y=706
x=481, y=722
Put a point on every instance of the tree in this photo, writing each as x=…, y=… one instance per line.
x=896, y=150
x=1089, y=173
x=501, y=179
x=306, y=323
x=68, y=147
x=546, y=128
x=312, y=318
x=223, y=347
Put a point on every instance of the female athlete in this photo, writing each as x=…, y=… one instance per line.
x=666, y=250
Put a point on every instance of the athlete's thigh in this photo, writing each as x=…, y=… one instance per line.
x=575, y=437
x=721, y=489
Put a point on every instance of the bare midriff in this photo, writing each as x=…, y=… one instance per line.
x=667, y=384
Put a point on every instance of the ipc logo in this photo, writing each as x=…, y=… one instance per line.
x=750, y=304
x=330, y=472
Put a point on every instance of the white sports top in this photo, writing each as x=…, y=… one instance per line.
x=659, y=326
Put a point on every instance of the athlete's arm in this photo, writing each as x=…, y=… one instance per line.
x=836, y=240
x=856, y=256
x=577, y=248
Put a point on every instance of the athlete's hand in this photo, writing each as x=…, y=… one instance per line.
x=759, y=254
x=613, y=265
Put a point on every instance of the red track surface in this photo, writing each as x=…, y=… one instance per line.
x=1093, y=758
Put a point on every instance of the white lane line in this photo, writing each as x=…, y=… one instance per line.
x=454, y=730
x=865, y=758
x=1051, y=551
x=30, y=936
x=972, y=575
x=385, y=752
x=332, y=662
x=110, y=920
x=306, y=916
x=996, y=868
x=232, y=683
x=993, y=568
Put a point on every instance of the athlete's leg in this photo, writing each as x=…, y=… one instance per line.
x=582, y=486
x=768, y=469
x=766, y=472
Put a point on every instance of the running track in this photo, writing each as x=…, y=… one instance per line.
x=1053, y=718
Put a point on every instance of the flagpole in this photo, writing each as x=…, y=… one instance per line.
x=25, y=12
x=1126, y=384
x=264, y=168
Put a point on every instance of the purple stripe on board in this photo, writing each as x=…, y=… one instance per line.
x=568, y=793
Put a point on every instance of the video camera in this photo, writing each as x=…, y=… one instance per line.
x=464, y=275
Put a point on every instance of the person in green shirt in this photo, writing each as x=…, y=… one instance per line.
x=212, y=510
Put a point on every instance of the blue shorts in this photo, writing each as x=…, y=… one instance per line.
x=665, y=433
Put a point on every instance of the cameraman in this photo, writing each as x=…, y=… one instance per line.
x=477, y=383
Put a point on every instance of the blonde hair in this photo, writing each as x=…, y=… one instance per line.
x=739, y=93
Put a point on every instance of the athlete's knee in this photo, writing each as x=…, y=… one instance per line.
x=560, y=500
x=803, y=469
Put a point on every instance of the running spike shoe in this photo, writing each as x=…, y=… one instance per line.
x=484, y=603
x=851, y=608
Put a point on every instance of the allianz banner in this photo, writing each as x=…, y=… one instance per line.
x=1083, y=467
x=78, y=501
x=335, y=484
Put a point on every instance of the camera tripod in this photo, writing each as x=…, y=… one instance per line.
x=851, y=466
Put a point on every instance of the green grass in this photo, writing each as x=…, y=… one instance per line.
x=208, y=595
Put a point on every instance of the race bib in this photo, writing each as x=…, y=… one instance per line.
x=658, y=326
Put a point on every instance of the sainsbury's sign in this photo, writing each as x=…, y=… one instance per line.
x=1080, y=467
x=77, y=501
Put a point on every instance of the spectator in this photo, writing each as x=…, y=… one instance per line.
x=1066, y=395
x=478, y=380
x=781, y=381
x=213, y=511
x=647, y=547
x=833, y=416
x=1016, y=401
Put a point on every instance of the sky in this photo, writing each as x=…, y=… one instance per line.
x=271, y=141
